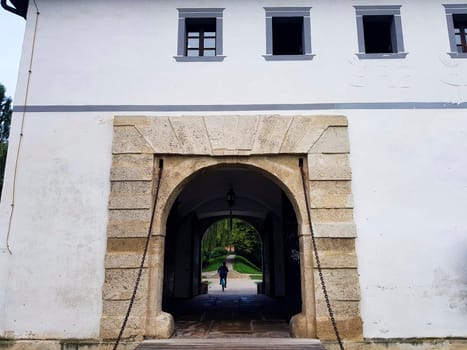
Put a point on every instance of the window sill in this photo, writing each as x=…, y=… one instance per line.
x=364, y=56
x=457, y=54
x=199, y=58
x=306, y=57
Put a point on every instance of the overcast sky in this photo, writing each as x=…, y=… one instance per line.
x=11, y=40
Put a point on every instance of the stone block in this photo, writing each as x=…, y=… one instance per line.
x=350, y=328
x=134, y=330
x=124, y=261
x=270, y=134
x=136, y=120
x=127, y=139
x=338, y=230
x=334, y=260
x=120, y=308
x=128, y=223
x=329, y=167
x=160, y=133
x=333, y=140
x=231, y=134
x=191, y=134
x=130, y=201
x=340, y=308
x=341, y=284
x=119, y=284
x=302, y=134
x=331, y=215
x=29, y=345
x=132, y=167
x=131, y=195
x=331, y=194
x=130, y=244
x=344, y=245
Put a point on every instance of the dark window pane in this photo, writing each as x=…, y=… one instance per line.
x=460, y=30
x=287, y=35
x=200, y=36
x=200, y=25
x=379, y=33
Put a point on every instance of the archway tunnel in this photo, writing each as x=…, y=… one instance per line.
x=258, y=200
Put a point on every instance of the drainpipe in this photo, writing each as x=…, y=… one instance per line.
x=20, y=7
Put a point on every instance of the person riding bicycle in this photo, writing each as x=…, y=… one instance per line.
x=223, y=271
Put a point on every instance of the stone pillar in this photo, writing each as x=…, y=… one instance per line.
x=303, y=325
x=159, y=324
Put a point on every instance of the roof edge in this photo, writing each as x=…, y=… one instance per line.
x=20, y=7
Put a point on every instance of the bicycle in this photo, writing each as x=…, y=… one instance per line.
x=223, y=283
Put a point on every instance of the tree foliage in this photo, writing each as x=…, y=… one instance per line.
x=5, y=121
x=243, y=237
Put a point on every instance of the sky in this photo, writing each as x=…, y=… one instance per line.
x=11, y=41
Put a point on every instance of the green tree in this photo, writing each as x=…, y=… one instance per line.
x=244, y=238
x=246, y=241
x=5, y=121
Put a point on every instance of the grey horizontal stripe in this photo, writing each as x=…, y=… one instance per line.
x=240, y=107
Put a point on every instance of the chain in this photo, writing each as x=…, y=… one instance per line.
x=140, y=271
x=318, y=262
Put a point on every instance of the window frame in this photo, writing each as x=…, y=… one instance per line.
x=303, y=12
x=380, y=10
x=455, y=9
x=187, y=13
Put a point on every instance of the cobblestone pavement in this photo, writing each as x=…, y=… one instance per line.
x=237, y=312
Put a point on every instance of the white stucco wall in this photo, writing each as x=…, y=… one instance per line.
x=52, y=282
x=410, y=193
x=123, y=53
x=408, y=166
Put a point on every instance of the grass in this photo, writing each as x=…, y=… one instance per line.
x=257, y=277
x=214, y=263
x=243, y=265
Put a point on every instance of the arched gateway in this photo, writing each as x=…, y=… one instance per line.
x=203, y=158
x=255, y=196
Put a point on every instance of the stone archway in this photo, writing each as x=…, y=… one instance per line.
x=260, y=197
x=189, y=144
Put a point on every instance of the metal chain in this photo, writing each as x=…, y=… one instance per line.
x=318, y=262
x=140, y=271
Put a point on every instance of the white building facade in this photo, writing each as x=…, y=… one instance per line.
x=96, y=74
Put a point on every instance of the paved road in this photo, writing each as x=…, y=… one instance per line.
x=237, y=283
x=243, y=286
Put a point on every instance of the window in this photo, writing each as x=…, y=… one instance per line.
x=379, y=31
x=199, y=35
x=460, y=32
x=456, y=16
x=288, y=33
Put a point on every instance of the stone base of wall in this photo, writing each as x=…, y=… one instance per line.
x=368, y=344
x=402, y=344
x=71, y=344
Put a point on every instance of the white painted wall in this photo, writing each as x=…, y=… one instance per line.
x=51, y=285
x=408, y=166
x=123, y=54
x=410, y=193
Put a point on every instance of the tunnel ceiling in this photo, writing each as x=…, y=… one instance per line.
x=206, y=194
